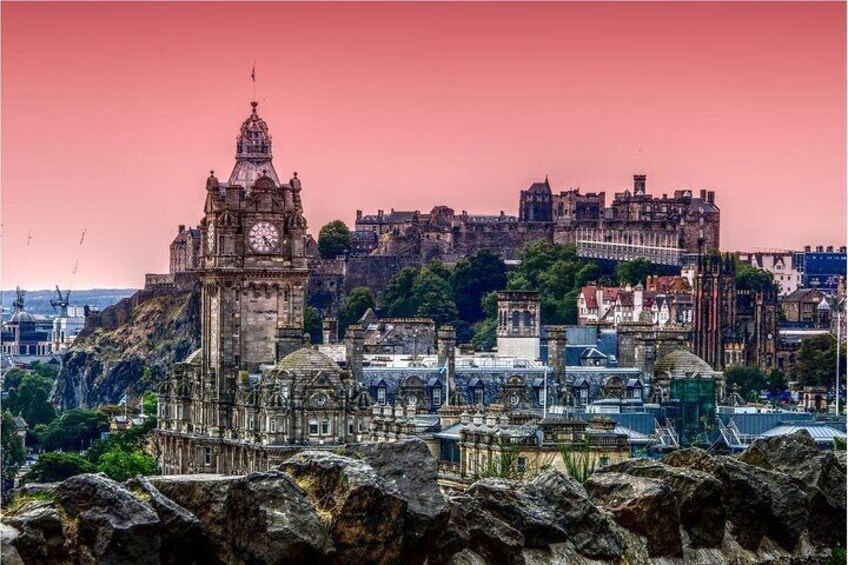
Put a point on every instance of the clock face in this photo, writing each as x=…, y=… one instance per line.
x=263, y=237
x=513, y=400
x=320, y=399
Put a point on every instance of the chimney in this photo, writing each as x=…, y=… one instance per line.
x=355, y=348
x=807, y=249
x=288, y=339
x=446, y=346
x=819, y=248
x=639, y=182
x=380, y=214
x=556, y=351
x=711, y=196
x=830, y=249
x=703, y=194
x=330, y=330
x=180, y=229
x=358, y=215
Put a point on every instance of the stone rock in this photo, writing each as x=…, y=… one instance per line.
x=8, y=535
x=258, y=518
x=111, y=525
x=698, y=496
x=366, y=516
x=820, y=474
x=180, y=531
x=497, y=519
x=40, y=538
x=589, y=529
x=758, y=502
x=647, y=507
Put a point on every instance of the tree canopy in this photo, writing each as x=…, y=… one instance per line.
x=312, y=324
x=13, y=453
x=123, y=465
x=334, y=239
x=633, y=272
x=74, y=430
x=815, y=362
x=752, y=278
x=55, y=467
x=355, y=305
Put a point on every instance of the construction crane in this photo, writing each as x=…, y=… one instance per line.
x=62, y=302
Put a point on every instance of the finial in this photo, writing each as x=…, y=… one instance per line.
x=307, y=339
x=254, y=103
x=211, y=173
x=264, y=172
x=295, y=174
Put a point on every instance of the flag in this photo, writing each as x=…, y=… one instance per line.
x=253, y=73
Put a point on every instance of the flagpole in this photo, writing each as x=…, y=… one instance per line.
x=545, y=403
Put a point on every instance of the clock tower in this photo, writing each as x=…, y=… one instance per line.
x=255, y=270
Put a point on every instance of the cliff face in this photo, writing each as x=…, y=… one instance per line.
x=151, y=329
x=380, y=504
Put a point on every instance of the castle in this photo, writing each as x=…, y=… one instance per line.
x=636, y=224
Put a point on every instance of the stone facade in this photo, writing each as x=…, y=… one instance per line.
x=186, y=250
x=519, y=324
x=636, y=224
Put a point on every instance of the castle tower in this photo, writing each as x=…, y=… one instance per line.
x=536, y=203
x=519, y=324
x=446, y=348
x=254, y=271
x=715, y=307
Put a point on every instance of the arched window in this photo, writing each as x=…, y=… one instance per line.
x=515, y=319
x=313, y=426
x=325, y=426
x=528, y=319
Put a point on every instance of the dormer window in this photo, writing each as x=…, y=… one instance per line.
x=478, y=395
x=437, y=397
x=381, y=396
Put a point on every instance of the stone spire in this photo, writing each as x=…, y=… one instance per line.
x=253, y=152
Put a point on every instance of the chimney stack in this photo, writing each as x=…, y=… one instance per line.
x=711, y=196
x=446, y=347
x=288, y=340
x=355, y=349
x=556, y=351
x=639, y=182
x=181, y=229
x=330, y=330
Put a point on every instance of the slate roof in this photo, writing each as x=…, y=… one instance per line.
x=307, y=360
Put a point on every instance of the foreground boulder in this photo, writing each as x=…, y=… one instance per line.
x=381, y=504
x=698, y=496
x=645, y=506
x=758, y=502
x=258, y=518
x=820, y=474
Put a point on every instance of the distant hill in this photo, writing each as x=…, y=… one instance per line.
x=38, y=301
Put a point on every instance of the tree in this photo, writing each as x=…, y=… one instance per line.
x=471, y=278
x=432, y=298
x=13, y=453
x=751, y=380
x=30, y=398
x=776, y=381
x=633, y=272
x=397, y=298
x=55, y=467
x=150, y=403
x=333, y=239
x=312, y=324
x=75, y=430
x=356, y=304
x=123, y=465
x=752, y=278
x=815, y=362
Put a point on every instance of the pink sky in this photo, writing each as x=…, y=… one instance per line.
x=113, y=115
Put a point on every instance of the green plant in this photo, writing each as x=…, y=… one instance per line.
x=578, y=464
x=504, y=467
x=839, y=443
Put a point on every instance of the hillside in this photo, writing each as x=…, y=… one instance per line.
x=149, y=330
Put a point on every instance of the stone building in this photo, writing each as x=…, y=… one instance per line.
x=186, y=250
x=802, y=308
x=636, y=224
x=781, y=264
x=519, y=324
x=254, y=275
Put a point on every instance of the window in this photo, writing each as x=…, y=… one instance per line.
x=522, y=464
x=350, y=427
x=273, y=425
x=528, y=319
x=313, y=427
x=515, y=318
x=207, y=455
x=478, y=395
x=437, y=397
x=325, y=427
x=381, y=396
x=251, y=422
x=179, y=411
x=603, y=461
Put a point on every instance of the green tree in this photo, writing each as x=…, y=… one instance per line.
x=776, y=381
x=356, y=304
x=312, y=324
x=13, y=453
x=633, y=272
x=396, y=300
x=74, y=430
x=55, y=467
x=751, y=380
x=752, y=278
x=333, y=239
x=123, y=465
x=150, y=403
x=30, y=398
x=815, y=362
x=432, y=297
x=473, y=277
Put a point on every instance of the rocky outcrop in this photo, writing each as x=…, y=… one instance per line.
x=152, y=330
x=379, y=503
